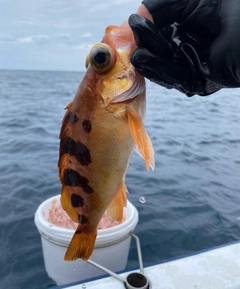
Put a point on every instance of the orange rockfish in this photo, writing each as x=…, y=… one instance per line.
x=99, y=131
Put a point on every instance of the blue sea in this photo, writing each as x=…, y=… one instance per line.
x=192, y=197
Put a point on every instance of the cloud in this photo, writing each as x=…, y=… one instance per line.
x=62, y=36
x=120, y=2
x=44, y=39
x=26, y=22
x=25, y=40
x=86, y=35
x=41, y=39
x=84, y=46
x=100, y=6
x=37, y=39
x=6, y=39
x=65, y=39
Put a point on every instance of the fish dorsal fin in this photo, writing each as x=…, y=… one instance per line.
x=141, y=138
x=115, y=208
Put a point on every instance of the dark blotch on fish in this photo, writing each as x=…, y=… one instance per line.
x=82, y=219
x=76, y=149
x=73, y=179
x=83, y=154
x=77, y=201
x=87, y=125
x=69, y=118
x=73, y=118
x=68, y=147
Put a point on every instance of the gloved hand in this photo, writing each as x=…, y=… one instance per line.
x=198, y=55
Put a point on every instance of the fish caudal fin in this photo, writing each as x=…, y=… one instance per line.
x=81, y=246
x=115, y=209
x=141, y=138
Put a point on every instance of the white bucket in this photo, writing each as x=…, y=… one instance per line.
x=111, y=247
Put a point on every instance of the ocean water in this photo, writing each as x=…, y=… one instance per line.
x=192, y=197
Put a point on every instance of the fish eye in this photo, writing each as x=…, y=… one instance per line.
x=101, y=57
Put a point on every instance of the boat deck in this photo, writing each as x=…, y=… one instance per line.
x=217, y=268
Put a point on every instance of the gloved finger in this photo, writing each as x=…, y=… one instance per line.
x=171, y=75
x=166, y=12
x=159, y=69
x=148, y=36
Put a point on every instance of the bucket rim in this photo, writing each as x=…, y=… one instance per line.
x=62, y=236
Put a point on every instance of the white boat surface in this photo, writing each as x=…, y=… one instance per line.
x=216, y=268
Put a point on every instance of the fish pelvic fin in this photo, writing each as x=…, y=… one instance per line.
x=81, y=245
x=115, y=208
x=141, y=138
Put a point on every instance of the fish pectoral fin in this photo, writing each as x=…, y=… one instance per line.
x=81, y=245
x=141, y=138
x=67, y=206
x=115, y=208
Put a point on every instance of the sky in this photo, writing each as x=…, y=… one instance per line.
x=55, y=34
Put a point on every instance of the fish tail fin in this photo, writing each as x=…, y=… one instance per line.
x=81, y=246
x=141, y=139
x=115, y=208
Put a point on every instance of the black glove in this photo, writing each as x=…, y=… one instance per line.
x=194, y=56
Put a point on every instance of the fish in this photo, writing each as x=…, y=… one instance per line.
x=101, y=127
